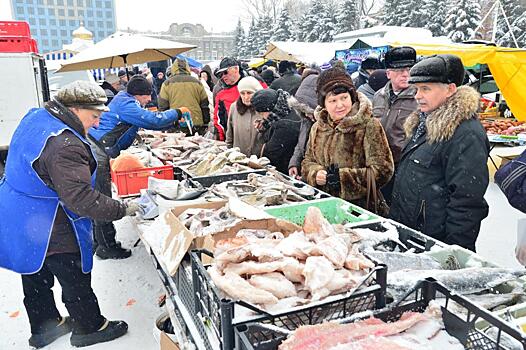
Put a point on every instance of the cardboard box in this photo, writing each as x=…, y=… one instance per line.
x=167, y=343
x=181, y=240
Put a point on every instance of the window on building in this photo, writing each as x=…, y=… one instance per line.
x=109, y=14
x=80, y=13
x=29, y=2
x=20, y=10
x=89, y=3
x=99, y=4
x=61, y=12
x=60, y=2
x=41, y=11
x=102, y=35
x=54, y=43
x=72, y=23
x=31, y=10
x=108, y=4
x=51, y=2
x=40, y=2
x=71, y=13
x=32, y=21
x=43, y=32
x=42, y=21
x=63, y=32
x=51, y=12
x=62, y=22
x=54, y=32
x=80, y=3
x=99, y=14
x=91, y=24
x=90, y=13
x=19, y=1
x=52, y=22
x=45, y=42
x=109, y=25
x=100, y=24
x=70, y=2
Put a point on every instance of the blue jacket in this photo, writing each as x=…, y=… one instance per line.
x=119, y=126
x=28, y=206
x=511, y=179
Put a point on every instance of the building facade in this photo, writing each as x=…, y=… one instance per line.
x=53, y=21
x=210, y=46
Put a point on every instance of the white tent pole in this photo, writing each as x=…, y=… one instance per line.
x=495, y=21
x=509, y=25
x=483, y=20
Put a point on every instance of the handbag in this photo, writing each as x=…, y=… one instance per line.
x=375, y=201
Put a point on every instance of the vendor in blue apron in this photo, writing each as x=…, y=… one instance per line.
x=47, y=201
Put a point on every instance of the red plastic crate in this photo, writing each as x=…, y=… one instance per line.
x=17, y=44
x=15, y=28
x=131, y=182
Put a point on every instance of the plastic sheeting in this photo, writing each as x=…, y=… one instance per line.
x=507, y=65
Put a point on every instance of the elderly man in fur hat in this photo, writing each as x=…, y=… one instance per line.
x=442, y=175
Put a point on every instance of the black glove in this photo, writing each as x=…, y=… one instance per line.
x=333, y=178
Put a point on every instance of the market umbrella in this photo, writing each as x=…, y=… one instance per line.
x=121, y=49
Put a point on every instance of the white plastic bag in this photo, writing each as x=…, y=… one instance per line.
x=520, y=248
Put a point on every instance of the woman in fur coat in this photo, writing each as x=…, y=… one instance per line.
x=345, y=141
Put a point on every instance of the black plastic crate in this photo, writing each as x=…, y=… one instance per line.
x=207, y=181
x=219, y=313
x=411, y=238
x=254, y=336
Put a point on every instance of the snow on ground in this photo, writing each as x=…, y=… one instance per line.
x=134, y=281
x=126, y=289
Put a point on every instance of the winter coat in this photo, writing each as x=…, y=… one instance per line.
x=289, y=81
x=50, y=181
x=393, y=115
x=241, y=131
x=183, y=90
x=511, y=179
x=442, y=176
x=358, y=141
x=304, y=103
x=280, y=133
x=367, y=90
x=362, y=78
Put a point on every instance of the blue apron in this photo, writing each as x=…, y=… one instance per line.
x=28, y=207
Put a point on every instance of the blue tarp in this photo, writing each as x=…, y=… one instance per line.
x=191, y=61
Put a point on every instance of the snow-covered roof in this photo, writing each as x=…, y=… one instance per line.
x=388, y=33
x=303, y=52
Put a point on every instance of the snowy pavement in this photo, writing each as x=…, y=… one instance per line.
x=128, y=289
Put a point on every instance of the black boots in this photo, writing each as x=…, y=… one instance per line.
x=112, y=252
x=50, y=335
x=110, y=330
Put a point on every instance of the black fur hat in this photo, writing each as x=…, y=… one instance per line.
x=445, y=69
x=400, y=57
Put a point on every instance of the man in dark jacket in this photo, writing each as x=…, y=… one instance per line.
x=395, y=102
x=280, y=126
x=116, y=132
x=290, y=80
x=367, y=67
x=48, y=198
x=442, y=175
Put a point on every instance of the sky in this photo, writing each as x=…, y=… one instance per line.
x=157, y=15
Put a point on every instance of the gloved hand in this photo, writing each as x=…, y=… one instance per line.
x=132, y=208
x=185, y=117
x=333, y=178
x=222, y=114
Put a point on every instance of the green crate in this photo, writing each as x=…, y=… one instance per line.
x=335, y=210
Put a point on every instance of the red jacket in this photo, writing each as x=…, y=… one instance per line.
x=224, y=97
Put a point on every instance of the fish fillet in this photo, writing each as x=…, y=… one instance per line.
x=239, y=289
x=253, y=267
x=293, y=270
x=315, y=226
x=274, y=283
x=334, y=248
x=357, y=261
x=318, y=273
x=295, y=245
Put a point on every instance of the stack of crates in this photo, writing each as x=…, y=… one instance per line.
x=15, y=36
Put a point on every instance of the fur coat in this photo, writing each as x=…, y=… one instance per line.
x=358, y=141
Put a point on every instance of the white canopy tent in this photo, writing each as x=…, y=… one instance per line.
x=318, y=53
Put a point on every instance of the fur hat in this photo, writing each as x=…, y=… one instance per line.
x=264, y=100
x=249, y=84
x=447, y=69
x=378, y=79
x=334, y=78
x=285, y=66
x=371, y=62
x=139, y=85
x=400, y=57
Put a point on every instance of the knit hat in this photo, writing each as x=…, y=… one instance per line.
x=122, y=73
x=249, y=84
x=139, y=85
x=264, y=100
x=284, y=66
x=400, y=57
x=445, y=69
x=83, y=94
x=331, y=79
x=378, y=79
x=111, y=78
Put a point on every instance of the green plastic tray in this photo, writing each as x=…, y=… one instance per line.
x=335, y=210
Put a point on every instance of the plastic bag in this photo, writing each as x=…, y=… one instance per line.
x=520, y=248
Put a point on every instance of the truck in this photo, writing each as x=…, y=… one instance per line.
x=24, y=86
